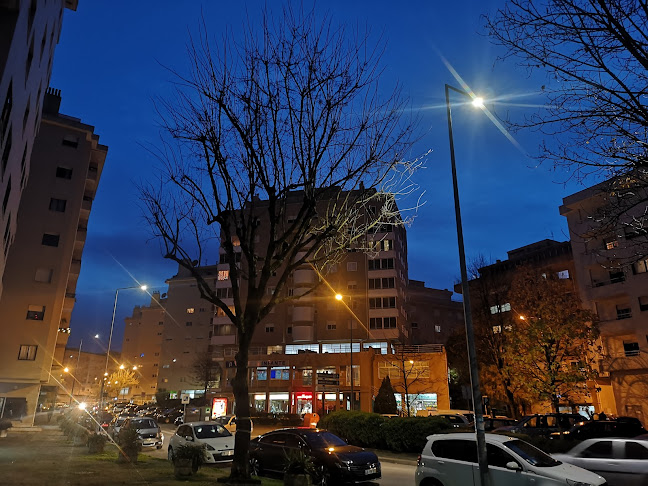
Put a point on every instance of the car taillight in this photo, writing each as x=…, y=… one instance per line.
x=418, y=460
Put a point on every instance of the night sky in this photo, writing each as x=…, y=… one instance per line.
x=112, y=61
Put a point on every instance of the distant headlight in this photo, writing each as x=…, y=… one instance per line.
x=209, y=448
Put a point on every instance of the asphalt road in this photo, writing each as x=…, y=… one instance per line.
x=392, y=474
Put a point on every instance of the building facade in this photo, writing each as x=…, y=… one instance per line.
x=142, y=347
x=44, y=263
x=29, y=32
x=85, y=371
x=613, y=283
x=316, y=333
x=432, y=314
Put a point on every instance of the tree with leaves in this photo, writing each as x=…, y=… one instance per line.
x=121, y=379
x=205, y=371
x=553, y=344
x=385, y=401
x=270, y=144
x=595, y=55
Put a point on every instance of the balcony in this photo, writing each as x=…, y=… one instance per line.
x=69, y=301
x=302, y=333
x=86, y=204
x=220, y=340
x=624, y=362
x=75, y=267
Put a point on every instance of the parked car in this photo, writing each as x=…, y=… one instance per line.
x=115, y=426
x=169, y=415
x=602, y=428
x=451, y=460
x=217, y=439
x=492, y=423
x=335, y=460
x=148, y=431
x=543, y=424
x=620, y=461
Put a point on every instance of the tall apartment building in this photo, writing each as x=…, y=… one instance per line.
x=44, y=263
x=84, y=375
x=29, y=32
x=432, y=314
x=301, y=338
x=617, y=292
x=142, y=347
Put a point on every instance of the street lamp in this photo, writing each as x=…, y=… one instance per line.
x=112, y=325
x=339, y=297
x=470, y=335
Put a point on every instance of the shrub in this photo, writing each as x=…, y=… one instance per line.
x=79, y=433
x=5, y=424
x=385, y=400
x=96, y=442
x=358, y=428
x=129, y=445
x=297, y=462
x=409, y=434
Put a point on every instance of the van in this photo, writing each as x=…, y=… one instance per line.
x=451, y=460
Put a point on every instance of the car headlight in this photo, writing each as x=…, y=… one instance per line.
x=344, y=464
x=571, y=482
x=209, y=448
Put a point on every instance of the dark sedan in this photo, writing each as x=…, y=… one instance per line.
x=602, y=428
x=335, y=461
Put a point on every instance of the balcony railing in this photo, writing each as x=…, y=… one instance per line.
x=613, y=280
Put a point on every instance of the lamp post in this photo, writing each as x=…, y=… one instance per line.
x=470, y=335
x=112, y=325
x=339, y=297
x=77, y=370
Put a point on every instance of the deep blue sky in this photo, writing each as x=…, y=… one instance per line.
x=108, y=66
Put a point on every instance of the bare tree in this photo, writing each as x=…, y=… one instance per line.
x=205, y=371
x=595, y=54
x=289, y=121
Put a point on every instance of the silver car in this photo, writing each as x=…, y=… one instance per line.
x=620, y=461
x=149, y=433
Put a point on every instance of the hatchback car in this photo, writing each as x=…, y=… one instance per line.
x=601, y=428
x=543, y=424
x=451, y=460
x=620, y=461
x=335, y=461
x=217, y=440
x=116, y=425
x=149, y=433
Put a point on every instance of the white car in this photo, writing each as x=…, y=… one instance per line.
x=451, y=460
x=217, y=439
x=620, y=461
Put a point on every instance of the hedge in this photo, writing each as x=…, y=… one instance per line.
x=398, y=434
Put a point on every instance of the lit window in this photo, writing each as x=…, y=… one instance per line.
x=223, y=275
x=36, y=312
x=641, y=266
x=564, y=274
x=27, y=352
x=437, y=328
x=190, y=310
x=611, y=244
x=496, y=309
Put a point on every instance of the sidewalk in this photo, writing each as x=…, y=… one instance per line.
x=405, y=458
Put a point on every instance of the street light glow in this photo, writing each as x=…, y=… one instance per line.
x=144, y=287
x=121, y=367
x=134, y=367
x=96, y=336
x=66, y=369
x=478, y=102
x=338, y=297
x=82, y=406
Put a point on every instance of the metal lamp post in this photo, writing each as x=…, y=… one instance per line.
x=112, y=325
x=77, y=370
x=470, y=335
x=340, y=297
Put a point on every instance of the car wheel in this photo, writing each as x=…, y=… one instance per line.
x=255, y=466
x=323, y=476
x=170, y=454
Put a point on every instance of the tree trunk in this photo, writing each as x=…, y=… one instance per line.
x=510, y=398
x=240, y=465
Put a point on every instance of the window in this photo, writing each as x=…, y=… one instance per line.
x=382, y=323
x=44, y=275
x=496, y=309
x=437, y=328
x=50, y=239
x=498, y=457
x=636, y=451
x=643, y=303
x=458, y=450
x=189, y=324
x=36, y=312
x=352, y=266
x=631, y=348
x=223, y=275
x=623, y=311
x=611, y=243
x=563, y=274
x=414, y=325
x=270, y=290
x=617, y=276
x=641, y=266
x=381, y=264
x=331, y=326
x=387, y=245
x=601, y=449
x=70, y=141
x=224, y=293
x=352, y=285
x=27, y=352
x=269, y=328
x=382, y=283
x=190, y=310
x=57, y=205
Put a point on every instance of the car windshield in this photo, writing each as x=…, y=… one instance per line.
x=324, y=440
x=144, y=424
x=210, y=431
x=531, y=454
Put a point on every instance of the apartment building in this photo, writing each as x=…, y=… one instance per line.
x=29, y=32
x=44, y=263
x=433, y=315
x=613, y=283
x=304, y=338
x=142, y=347
x=85, y=371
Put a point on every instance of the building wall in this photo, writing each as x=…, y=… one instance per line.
x=86, y=370
x=432, y=314
x=618, y=293
x=29, y=32
x=142, y=347
x=44, y=264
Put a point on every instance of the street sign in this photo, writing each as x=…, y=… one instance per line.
x=185, y=398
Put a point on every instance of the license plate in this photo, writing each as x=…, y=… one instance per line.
x=227, y=453
x=371, y=470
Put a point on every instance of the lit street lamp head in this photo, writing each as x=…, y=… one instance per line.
x=338, y=297
x=478, y=102
x=143, y=287
x=66, y=369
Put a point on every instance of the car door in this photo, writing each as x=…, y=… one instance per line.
x=271, y=453
x=600, y=458
x=500, y=475
x=455, y=461
x=634, y=456
x=182, y=433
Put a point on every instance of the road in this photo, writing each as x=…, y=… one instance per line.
x=392, y=474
